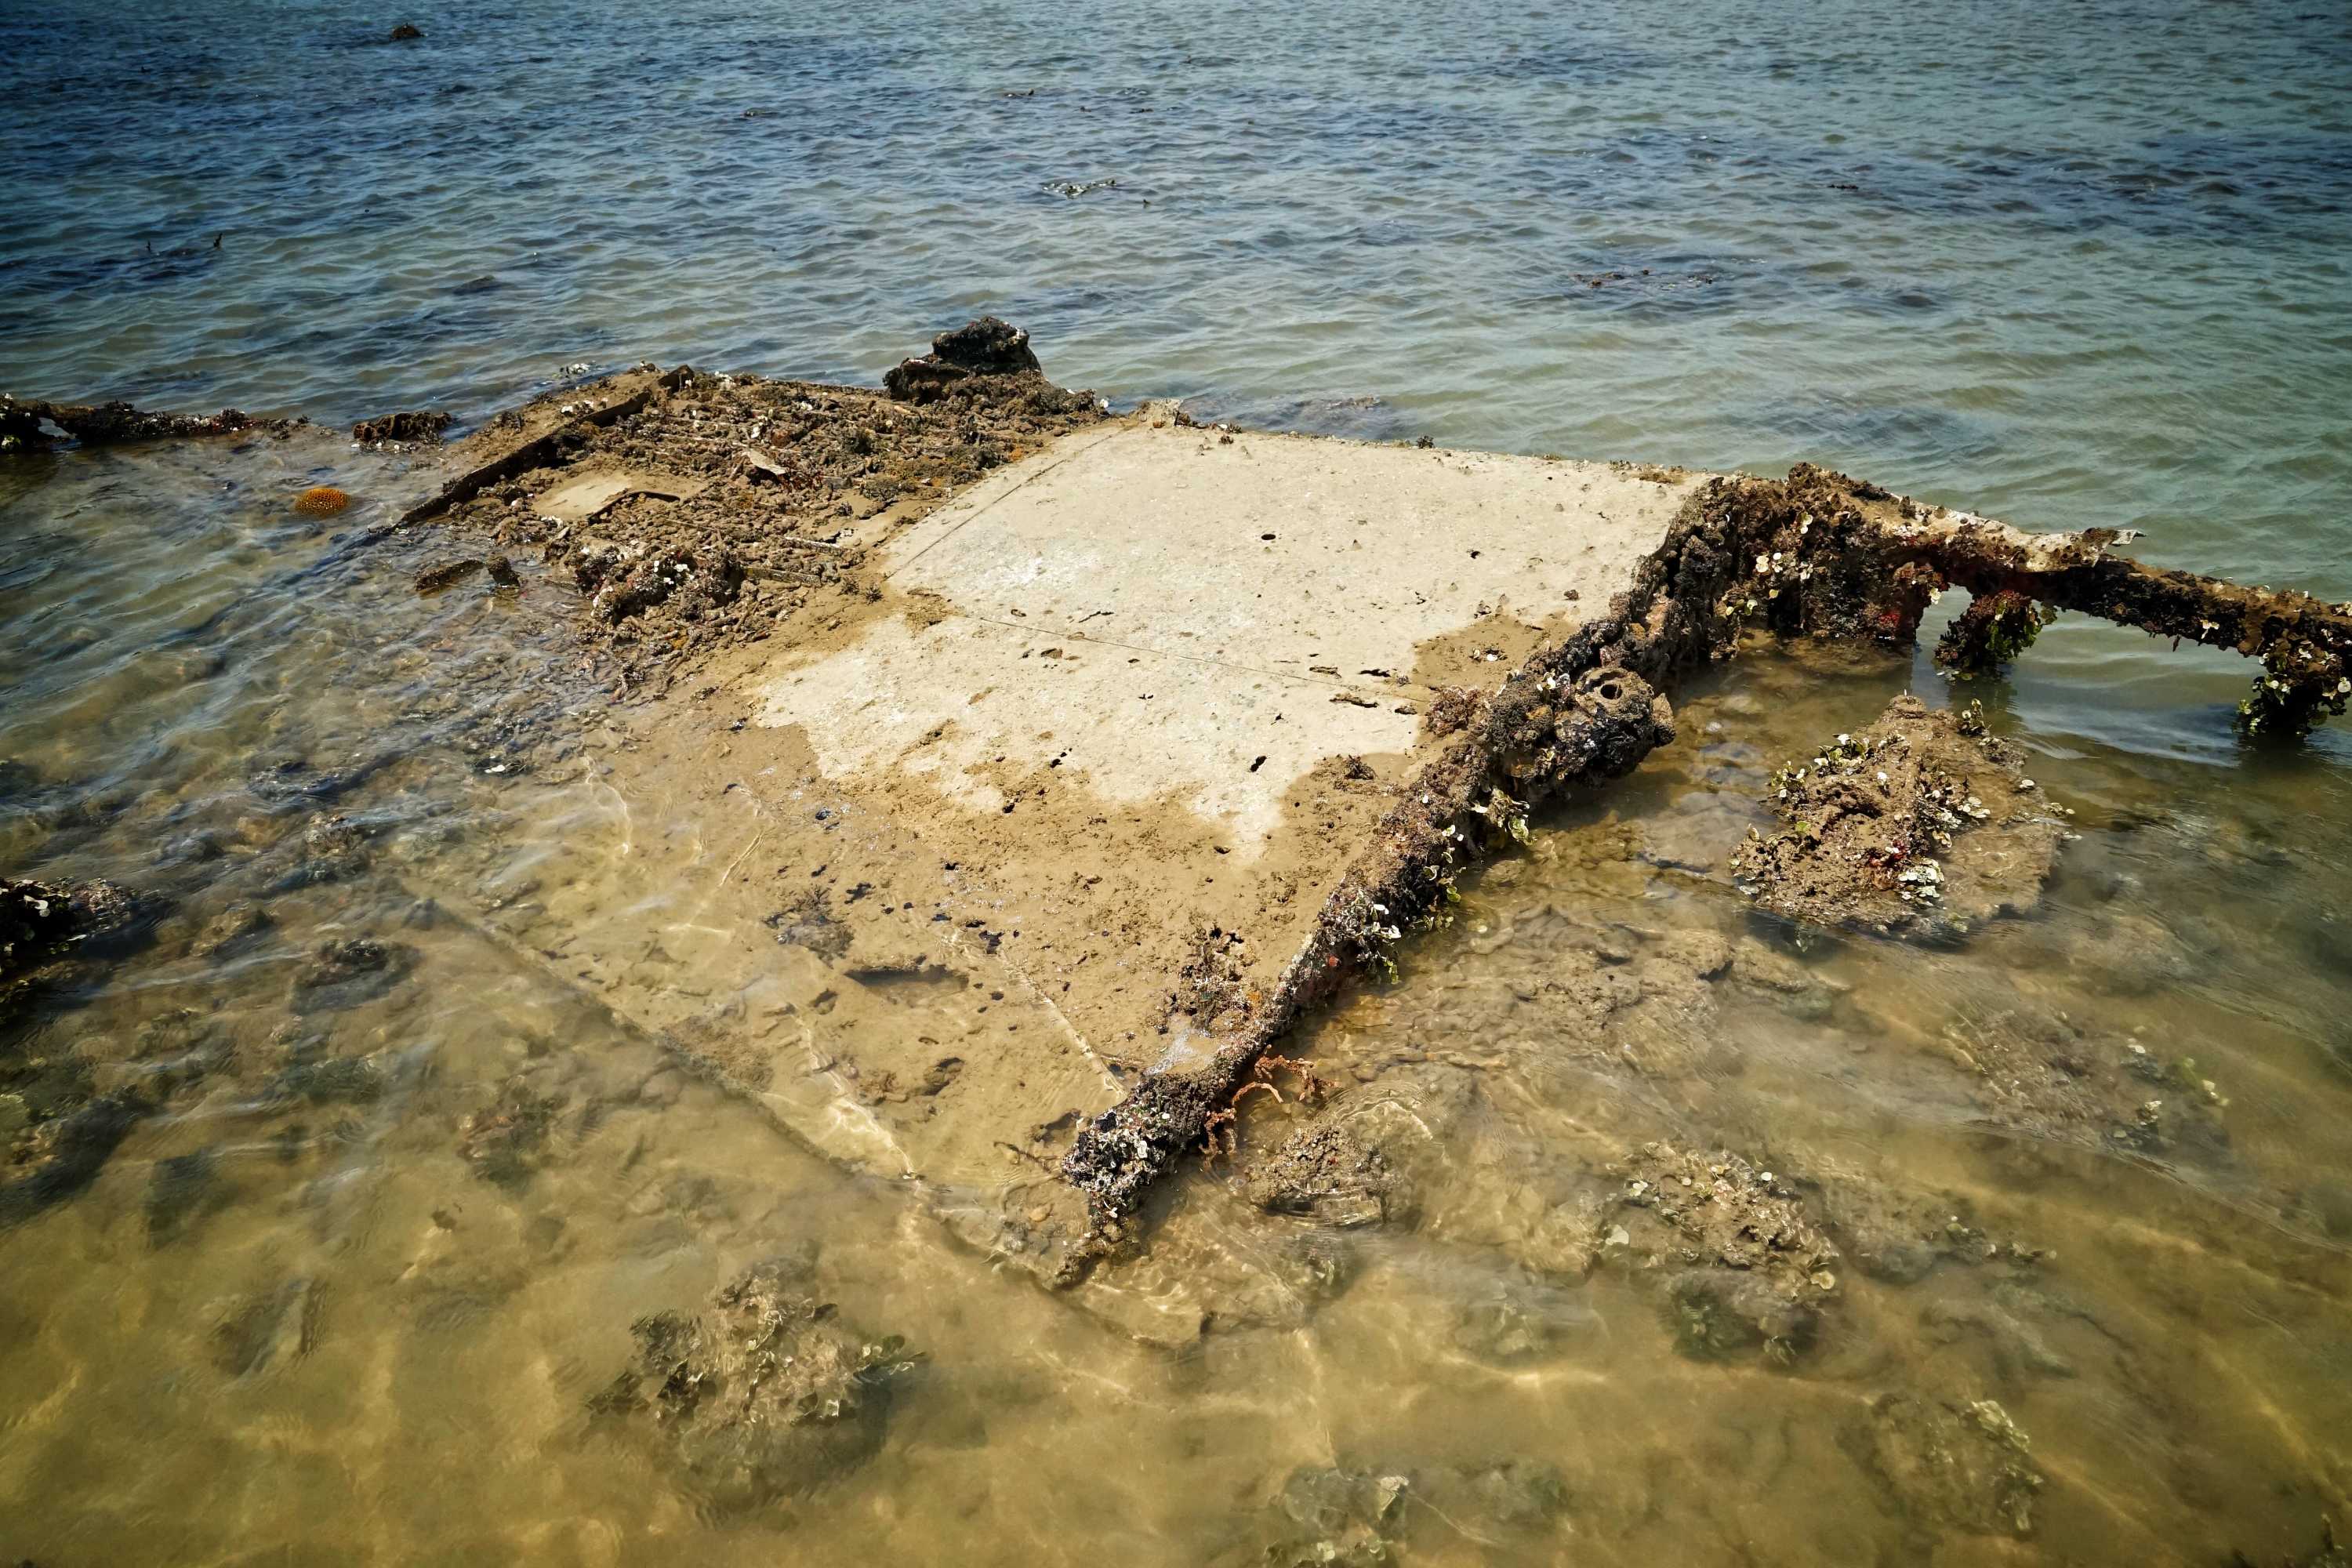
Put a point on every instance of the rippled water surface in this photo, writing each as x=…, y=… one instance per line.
x=358, y=1279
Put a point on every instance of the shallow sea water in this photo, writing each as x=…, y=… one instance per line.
x=353, y=1290
x=357, y=1283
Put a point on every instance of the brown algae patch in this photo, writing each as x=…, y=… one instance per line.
x=1923, y=822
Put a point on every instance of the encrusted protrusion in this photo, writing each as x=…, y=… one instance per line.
x=1993, y=630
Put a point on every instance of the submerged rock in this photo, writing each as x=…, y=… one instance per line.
x=2042, y=1074
x=332, y=848
x=1898, y=1238
x=313, y=1076
x=987, y=346
x=1336, y=1514
x=1346, y=1517
x=987, y=358
x=72, y=1152
x=1950, y=1466
x=764, y=1395
x=808, y=921
x=38, y=919
x=2330, y=1553
x=250, y=1333
x=22, y=422
x=1749, y=1267
x=502, y=1141
x=1719, y=1314
x=415, y=425
x=171, y=1051
x=292, y=778
x=234, y=928
x=442, y=575
x=1518, y=1322
x=1923, y=822
x=347, y=972
x=47, y=928
x=1324, y=1173
x=2016, y=1346
x=181, y=1190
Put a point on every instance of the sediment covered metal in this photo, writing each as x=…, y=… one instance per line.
x=1817, y=554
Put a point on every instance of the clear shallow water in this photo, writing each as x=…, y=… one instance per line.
x=2091, y=272
x=354, y=1287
